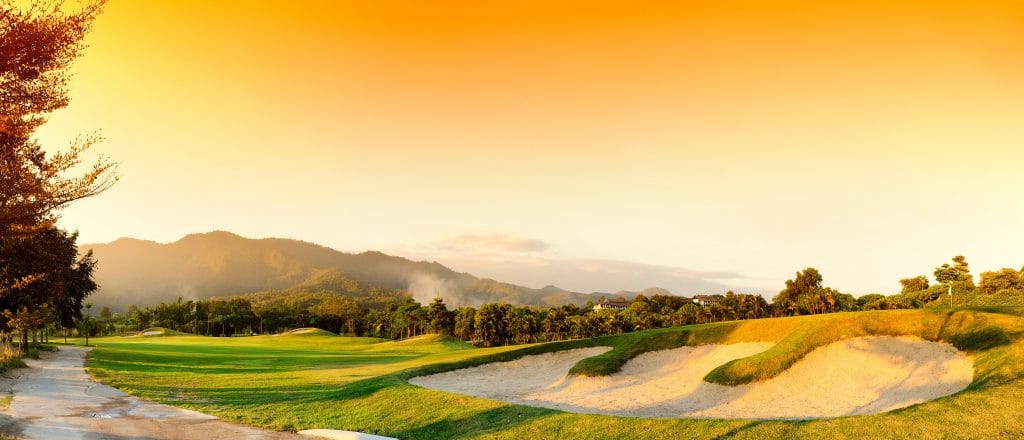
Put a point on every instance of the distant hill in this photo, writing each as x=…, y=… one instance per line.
x=324, y=286
x=221, y=263
x=648, y=292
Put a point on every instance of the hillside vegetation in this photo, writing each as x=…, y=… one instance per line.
x=199, y=266
x=293, y=382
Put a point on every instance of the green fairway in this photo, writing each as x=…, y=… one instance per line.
x=306, y=381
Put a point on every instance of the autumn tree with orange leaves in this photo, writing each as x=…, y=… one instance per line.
x=38, y=42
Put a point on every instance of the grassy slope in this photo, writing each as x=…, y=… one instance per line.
x=159, y=332
x=286, y=382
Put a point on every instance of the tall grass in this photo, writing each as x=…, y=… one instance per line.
x=10, y=358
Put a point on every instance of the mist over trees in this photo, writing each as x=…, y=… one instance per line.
x=219, y=263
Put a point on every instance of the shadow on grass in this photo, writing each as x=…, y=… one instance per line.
x=739, y=429
x=984, y=338
x=482, y=423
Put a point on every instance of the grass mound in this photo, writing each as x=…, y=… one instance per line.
x=310, y=331
x=429, y=339
x=967, y=330
x=630, y=345
x=612, y=361
x=158, y=331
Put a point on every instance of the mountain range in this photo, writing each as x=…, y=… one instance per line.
x=219, y=263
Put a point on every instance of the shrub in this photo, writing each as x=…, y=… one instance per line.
x=9, y=359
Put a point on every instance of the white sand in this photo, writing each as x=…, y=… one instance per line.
x=335, y=434
x=856, y=376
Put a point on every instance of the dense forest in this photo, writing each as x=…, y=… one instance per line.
x=384, y=314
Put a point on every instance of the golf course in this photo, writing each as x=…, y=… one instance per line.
x=521, y=220
x=316, y=380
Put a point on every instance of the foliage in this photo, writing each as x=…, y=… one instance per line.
x=914, y=284
x=46, y=278
x=38, y=42
x=1005, y=279
x=806, y=294
x=441, y=319
x=959, y=271
x=402, y=317
x=9, y=359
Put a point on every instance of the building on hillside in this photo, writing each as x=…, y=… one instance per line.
x=617, y=304
x=706, y=300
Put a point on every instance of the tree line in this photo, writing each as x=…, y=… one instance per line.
x=486, y=325
x=501, y=324
x=954, y=285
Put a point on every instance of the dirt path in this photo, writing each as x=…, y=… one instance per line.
x=55, y=399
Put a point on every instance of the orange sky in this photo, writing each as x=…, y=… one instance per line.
x=871, y=139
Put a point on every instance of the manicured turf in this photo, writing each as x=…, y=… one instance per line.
x=313, y=381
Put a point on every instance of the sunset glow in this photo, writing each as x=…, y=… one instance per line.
x=740, y=140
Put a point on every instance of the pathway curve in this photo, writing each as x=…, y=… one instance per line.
x=55, y=399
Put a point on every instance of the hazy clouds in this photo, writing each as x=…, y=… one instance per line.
x=477, y=243
x=532, y=262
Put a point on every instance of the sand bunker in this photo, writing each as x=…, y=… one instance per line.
x=865, y=375
x=336, y=434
